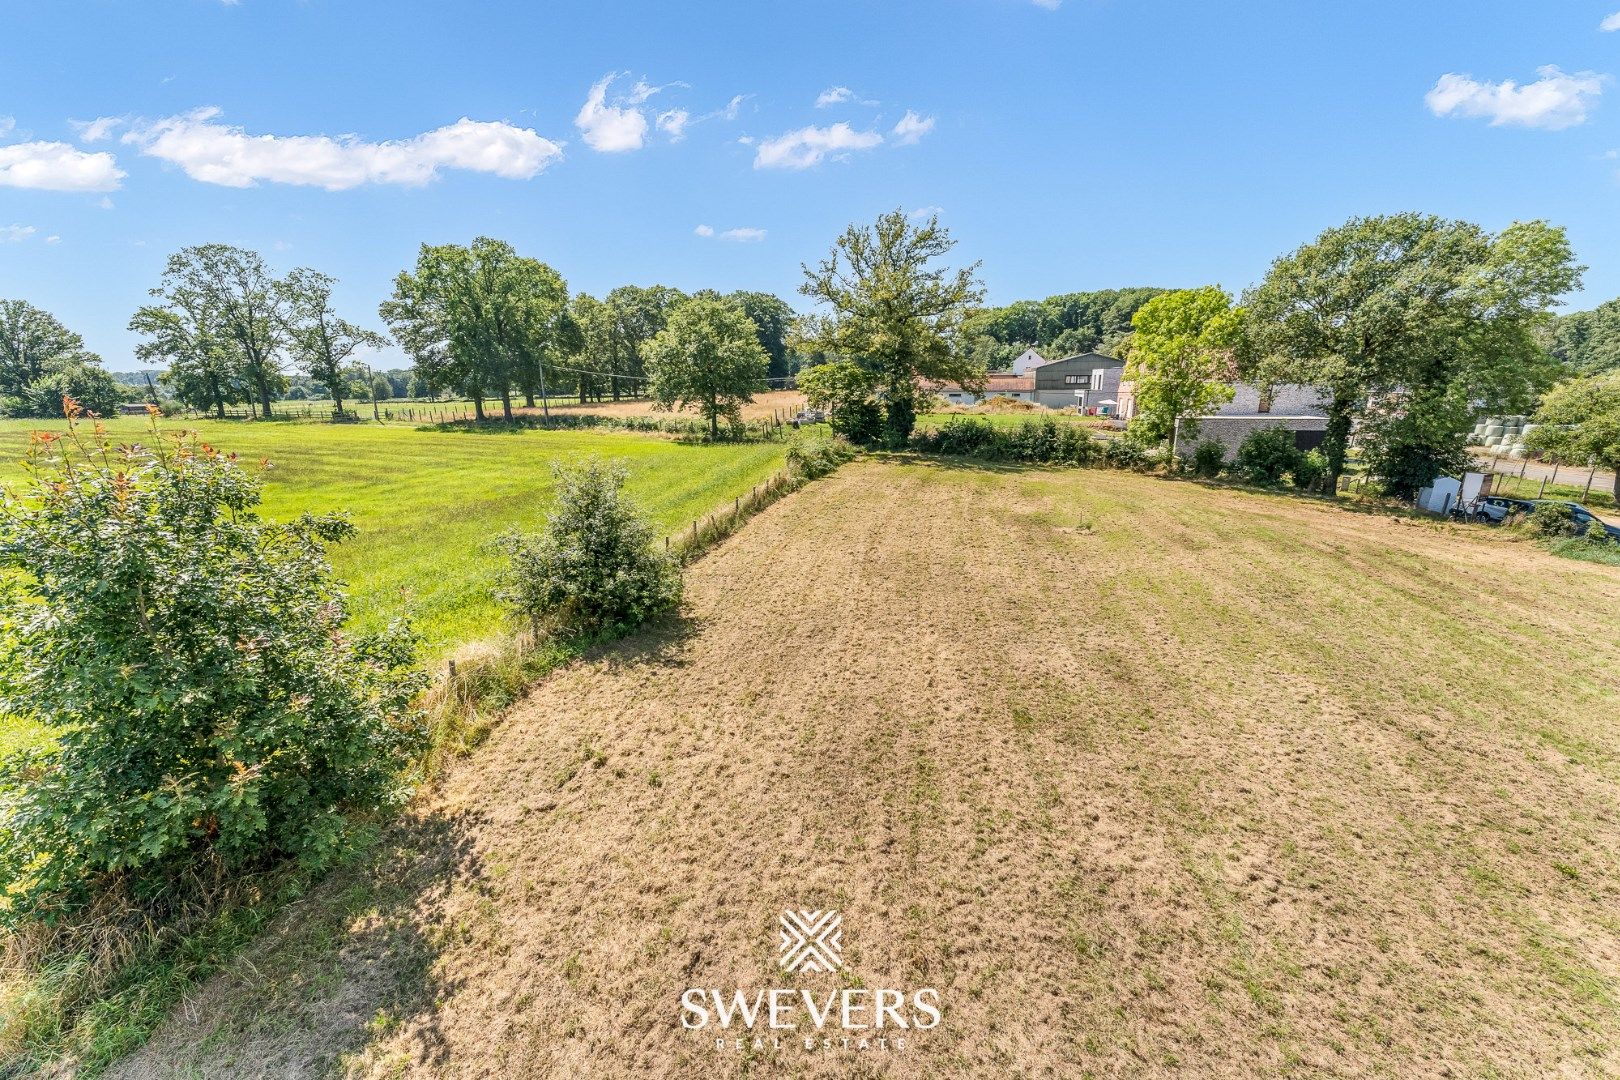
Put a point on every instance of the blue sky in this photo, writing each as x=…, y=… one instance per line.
x=1068, y=144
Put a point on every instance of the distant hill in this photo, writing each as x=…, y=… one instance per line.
x=1059, y=326
x=1588, y=341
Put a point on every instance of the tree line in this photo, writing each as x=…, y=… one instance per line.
x=1409, y=325
x=478, y=321
x=42, y=361
x=1058, y=326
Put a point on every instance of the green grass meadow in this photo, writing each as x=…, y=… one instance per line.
x=427, y=503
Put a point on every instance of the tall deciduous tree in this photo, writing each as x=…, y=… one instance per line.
x=202, y=367
x=545, y=333
x=42, y=362
x=599, y=341
x=1411, y=323
x=773, y=324
x=890, y=308
x=639, y=313
x=243, y=303
x=321, y=341
x=1181, y=358
x=1579, y=420
x=707, y=357
x=474, y=317
x=1587, y=342
x=34, y=344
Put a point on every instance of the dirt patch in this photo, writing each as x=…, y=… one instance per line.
x=1145, y=778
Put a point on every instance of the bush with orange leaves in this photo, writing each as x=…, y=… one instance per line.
x=211, y=713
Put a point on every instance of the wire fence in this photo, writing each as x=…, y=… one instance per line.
x=1520, y=482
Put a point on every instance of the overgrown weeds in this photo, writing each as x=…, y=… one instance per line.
x=1042, y=441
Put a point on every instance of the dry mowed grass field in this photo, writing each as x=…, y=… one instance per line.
x=1146, y=778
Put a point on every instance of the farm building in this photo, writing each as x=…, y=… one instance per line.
x=1017, y=387
x=1297, y=408
x=1231, y=430
x=1027, y=361
x=1089, y=381
x=1248, y=399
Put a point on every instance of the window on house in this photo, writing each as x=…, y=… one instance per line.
x=1096, y=379
x=1073, y=380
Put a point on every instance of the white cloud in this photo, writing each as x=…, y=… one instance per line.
x=673, y=123
x=105, y=203
x=1610, y=24
x=924, y=212
x=644, y=90
x=6, y=124
x=57, y=166
x=53, y=239
x=912, y=127
x=741, y=236
x=613, y=128
x=839, y=95
x=16, y=234
x=810, y=146
x=218, y=153
x=1556, y=100
x=95, y=130
x=733, y=107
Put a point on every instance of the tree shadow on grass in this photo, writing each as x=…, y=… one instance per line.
x=953, y=463
x=665, y=642
x=351, y=962
x=1366, y=505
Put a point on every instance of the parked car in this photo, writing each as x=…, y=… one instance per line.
x=1584, y=518
x=1495, y=509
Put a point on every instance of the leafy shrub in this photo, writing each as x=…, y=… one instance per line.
x=844, y=391
x=958, y=436
x=1597, y=534
x=1310, y=470
x=1208, y=459
x=858, y=421
x=94, y=389
x=209, y=709
x=593, y=569
x=899, y=421
x=1128, y=453
x=1267, y=455
x=1042, y=441
x=1552, y=520
x=814, y=456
